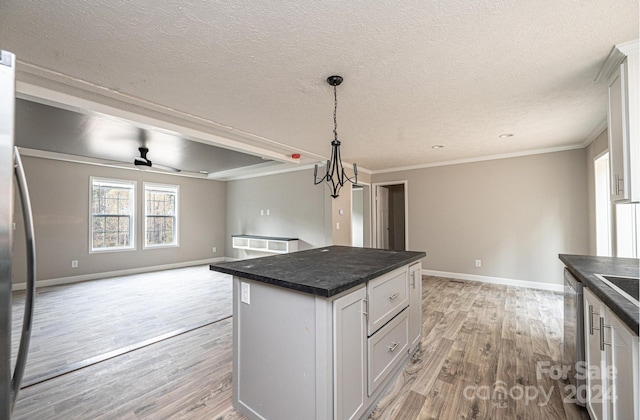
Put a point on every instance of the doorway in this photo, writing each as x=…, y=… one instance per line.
x=361, y=215
x=390, y=204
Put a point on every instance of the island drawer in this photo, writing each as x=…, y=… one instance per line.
x=386, y=348
x=387, y=296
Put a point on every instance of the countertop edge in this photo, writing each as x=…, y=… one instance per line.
x=628, y=313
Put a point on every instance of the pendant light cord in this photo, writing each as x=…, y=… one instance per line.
x=335, y=110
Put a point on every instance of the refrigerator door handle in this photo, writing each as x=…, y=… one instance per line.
x=21, y=361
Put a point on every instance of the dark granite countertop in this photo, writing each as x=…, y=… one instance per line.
x=584, y=268
x=322, y=271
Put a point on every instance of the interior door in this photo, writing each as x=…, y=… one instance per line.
x=382, y=217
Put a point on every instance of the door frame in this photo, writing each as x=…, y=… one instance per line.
x=374, y=211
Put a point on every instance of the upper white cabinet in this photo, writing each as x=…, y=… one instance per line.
x=621, y=71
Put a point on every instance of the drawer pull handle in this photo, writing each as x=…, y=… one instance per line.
x=393, y=296
x=393, y=346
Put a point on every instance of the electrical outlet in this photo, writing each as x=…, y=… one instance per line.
x=214, y=249
x=268, y=213
x=74, y=263
x=478, y=263
x=337, y=225
x=261, y=212
x=245, y=293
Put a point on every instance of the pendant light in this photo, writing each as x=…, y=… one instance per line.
x=335, y=175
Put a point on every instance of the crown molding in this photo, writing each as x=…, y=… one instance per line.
x=481, y=158
x=617, y=55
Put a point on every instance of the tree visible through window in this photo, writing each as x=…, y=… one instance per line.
x=161, y=215
x=112, y=214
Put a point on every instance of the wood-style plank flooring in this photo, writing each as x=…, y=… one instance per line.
x=78, y=322
x=480, y=348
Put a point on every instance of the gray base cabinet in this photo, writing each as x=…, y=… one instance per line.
x=301, y=356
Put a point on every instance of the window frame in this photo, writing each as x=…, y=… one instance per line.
x=132, y=186
x=175, y=189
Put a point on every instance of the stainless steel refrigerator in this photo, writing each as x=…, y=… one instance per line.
x=11, y=176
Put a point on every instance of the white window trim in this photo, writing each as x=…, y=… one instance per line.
x=132, y=221
x=167, y=187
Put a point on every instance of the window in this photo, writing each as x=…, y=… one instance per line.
x=161, y=215
x=112, y=214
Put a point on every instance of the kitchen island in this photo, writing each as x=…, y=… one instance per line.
x=320, y=334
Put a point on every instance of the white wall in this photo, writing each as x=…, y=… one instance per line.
x=596, y=148
x=357, y=217
x=516, y=215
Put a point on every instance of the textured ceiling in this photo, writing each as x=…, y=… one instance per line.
x=417, y=73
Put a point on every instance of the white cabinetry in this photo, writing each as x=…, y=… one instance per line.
x=613, y=363
x=621, y=70
x=593, y=310
x=350, y=366
x=265, y=244
x=301, y=356
x=388, y=295
x=415, y=305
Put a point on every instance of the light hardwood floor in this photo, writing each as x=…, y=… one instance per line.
x=480, y=348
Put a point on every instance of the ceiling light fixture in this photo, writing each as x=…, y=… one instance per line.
x=437, y=146
x=505, y=135
x=335, y=175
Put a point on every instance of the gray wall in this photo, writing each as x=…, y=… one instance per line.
x=514, y=214
x=297, y=209
x=60, y=199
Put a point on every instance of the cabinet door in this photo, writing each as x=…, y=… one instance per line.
x=349, y=355
x=617, y=137
x=621, y=347
x=593, y=310
x=415, y=305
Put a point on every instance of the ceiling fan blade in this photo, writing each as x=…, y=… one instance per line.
x=166, y=168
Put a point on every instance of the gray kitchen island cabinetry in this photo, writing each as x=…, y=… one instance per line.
x=306, y=345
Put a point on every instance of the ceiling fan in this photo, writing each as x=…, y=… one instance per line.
x=144, y=163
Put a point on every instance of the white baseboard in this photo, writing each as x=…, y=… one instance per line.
x=104, y=275
x=496, y=280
